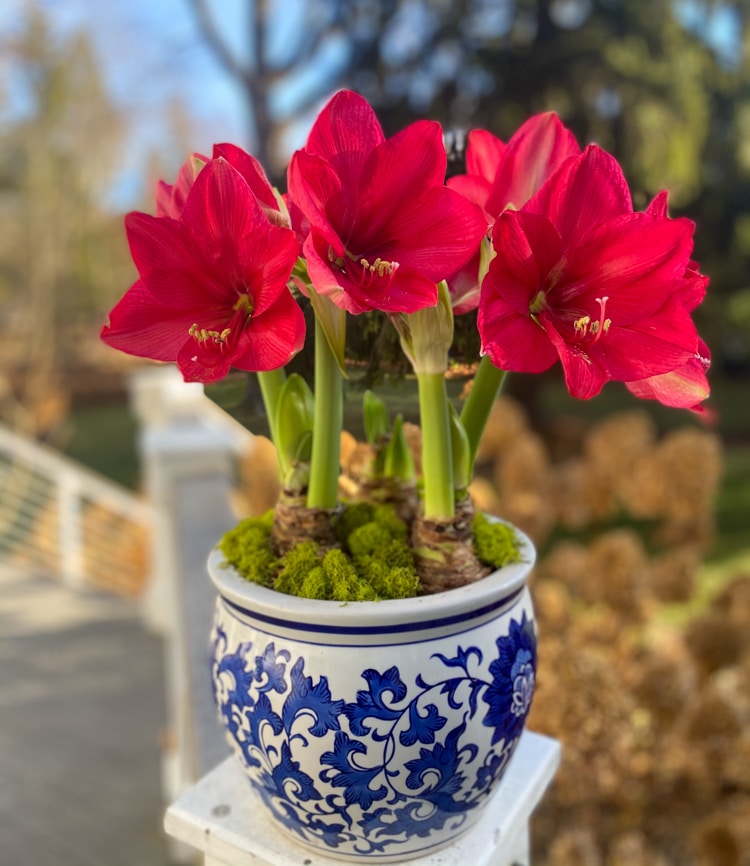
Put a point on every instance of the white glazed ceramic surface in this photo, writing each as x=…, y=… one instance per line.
x=375, y=730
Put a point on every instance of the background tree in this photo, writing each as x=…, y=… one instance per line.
x=59, y=250
x=295, y=53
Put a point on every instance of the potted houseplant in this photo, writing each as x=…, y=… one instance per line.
x=374, y=663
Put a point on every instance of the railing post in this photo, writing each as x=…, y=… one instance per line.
x=70, y=530
x=188, y=466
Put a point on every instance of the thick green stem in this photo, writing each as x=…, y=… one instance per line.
x=487, y=384
x=271, y=382
x=437, y=459
x=328, y=420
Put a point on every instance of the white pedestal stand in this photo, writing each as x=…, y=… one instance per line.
x=223, y=818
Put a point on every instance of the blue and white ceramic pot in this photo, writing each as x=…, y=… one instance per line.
x=375, y=731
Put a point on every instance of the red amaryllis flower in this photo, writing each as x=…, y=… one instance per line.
x=213, y=289
x=170, y=198
x=507, y=175
x=499, y=176
x=581, y=278
x=383, y=227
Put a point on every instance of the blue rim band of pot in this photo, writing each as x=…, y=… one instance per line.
x=494, y=591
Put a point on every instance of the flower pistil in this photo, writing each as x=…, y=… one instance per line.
x=585, y=327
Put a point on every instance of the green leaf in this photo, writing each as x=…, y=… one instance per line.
x=398, y=460
x=462, y=456
x=375, y=415
x=294, y=420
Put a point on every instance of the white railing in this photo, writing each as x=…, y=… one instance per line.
x=63, y=519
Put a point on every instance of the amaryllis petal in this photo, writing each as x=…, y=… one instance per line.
x=584, y=192
x=413, y=160
x=483, y=154
x=166, y=256
x=344, y=134
x=140, y=325
x=472, y=187
x=531, y=156
x=649, y=348
x=272, y=339
x=221, y=206
x=251, y=170
x=170, y=198
x=208, y=364
x=513, y=343
x=464, y=286
x=269, y=259
x=528, y=250
x=436, y=234
x=511, y=335
x=314, y=188
x=684, y=388
x=327, y=281
x=583, y=378
x=634, y=261
x=658, y=206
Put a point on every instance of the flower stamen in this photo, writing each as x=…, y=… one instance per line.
x=378, y=269
x=584, y=327
x=203, y=335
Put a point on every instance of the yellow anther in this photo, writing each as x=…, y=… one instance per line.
x=379, y=267
x=202, y=335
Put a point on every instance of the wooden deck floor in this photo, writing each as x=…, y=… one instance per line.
x=81, y=712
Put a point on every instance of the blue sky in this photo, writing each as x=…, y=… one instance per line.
x=151, y=52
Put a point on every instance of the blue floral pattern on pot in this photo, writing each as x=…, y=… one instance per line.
x=401, y=763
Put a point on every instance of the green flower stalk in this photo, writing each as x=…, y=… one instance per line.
x=437, y=451
x=426, y=337
x=476, y=410
x=328, y=420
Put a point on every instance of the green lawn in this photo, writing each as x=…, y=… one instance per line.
x=104, y=439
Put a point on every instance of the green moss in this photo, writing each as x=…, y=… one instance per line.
x=246, y=547
x=294, y=568
x=375, y=561
x=352, y=517
x=315, y=585
x=495, y=543
x=385, y=516
x=345, y=581
x=368, y=538
x=392, y=582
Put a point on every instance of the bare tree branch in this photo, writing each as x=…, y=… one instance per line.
x=218, y=45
